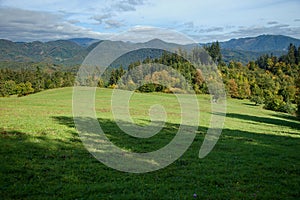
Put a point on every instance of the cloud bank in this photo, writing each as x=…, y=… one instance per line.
x=204, y=21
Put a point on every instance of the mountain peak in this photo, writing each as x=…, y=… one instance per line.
x=84, y=42
x=156, y=40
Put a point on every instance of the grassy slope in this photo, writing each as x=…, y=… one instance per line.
x=257, y=156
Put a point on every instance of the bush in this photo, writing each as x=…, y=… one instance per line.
x=151, y=87
x=147, y=88
x=258, y=100
x=24, y=89
x=274, y=103
x=278, y=104
x=289, y=108
x=175, y=91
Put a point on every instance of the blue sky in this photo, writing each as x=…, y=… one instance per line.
x=202, y=20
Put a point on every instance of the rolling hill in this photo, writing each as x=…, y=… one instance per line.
x=43, y=156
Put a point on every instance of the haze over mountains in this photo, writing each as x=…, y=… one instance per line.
x=73, y=51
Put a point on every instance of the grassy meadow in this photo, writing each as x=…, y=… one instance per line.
x=42, y=156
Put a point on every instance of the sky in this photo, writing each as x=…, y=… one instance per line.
x=200, y=20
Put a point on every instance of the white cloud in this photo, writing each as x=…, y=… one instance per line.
x=17, y=24
x=73, y=21
x=146, y=33
x=189, y=25
x=272, y=23
x=100, y=18
x=124, y=7
x=248, y=31
x=279, y=29
x=127, y=5
x=113, y=24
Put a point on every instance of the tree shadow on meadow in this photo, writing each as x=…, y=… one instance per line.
x=4, y=133
x=117, y=136
x=230, y=136
x=48, y=167
x=268, y=120
x=287, y=117
x=111, y=128
x=247, y=146
x=250, y=104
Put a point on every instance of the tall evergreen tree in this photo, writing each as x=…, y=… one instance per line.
x=214, y=51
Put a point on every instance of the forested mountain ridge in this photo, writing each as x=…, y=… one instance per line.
x=58, y=52
x=262, y=43
x=73, y=51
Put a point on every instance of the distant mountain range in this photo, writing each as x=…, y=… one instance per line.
x=262, y=43
x=250, y=48
x=73, y=51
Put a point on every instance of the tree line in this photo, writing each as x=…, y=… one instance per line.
x=269, y=80
x=26, y=81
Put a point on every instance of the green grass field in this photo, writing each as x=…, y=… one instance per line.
x=42, y=156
